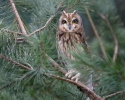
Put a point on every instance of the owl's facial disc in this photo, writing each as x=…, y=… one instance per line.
x=68, y=25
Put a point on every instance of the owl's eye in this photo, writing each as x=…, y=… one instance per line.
x=63, y=21
x=75, y=21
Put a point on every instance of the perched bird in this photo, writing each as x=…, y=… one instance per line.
x=70, y=31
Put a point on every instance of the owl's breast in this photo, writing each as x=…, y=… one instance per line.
x=69, y=38
x=66, y=42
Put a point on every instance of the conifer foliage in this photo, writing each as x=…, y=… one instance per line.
x=30, y=68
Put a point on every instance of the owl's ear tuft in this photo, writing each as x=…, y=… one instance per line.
x=64, y=13
x=74, y=12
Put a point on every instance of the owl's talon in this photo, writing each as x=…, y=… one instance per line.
x=70, y=74
x=76, y=77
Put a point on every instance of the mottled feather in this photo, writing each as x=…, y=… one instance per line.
x=66, y=40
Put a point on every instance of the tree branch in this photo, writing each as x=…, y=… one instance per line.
x=96, y=32
x=109, y=96
x=14, y=62
x=90, y=93
x=113, y=35
x=18, y=17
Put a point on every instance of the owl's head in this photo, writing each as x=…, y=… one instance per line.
x=70, y=22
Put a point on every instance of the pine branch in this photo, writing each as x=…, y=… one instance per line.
x=18, y=17
x=14, y=62
x=111, y=95
x=96, y=32
x=79, y=84
x=113, y=35
x=84, y=89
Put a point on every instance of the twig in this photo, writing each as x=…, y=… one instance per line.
x=43, y=26
x=82, y=87
x=8, y=85
x=96, y=32
x=13, y=32
x=14, y=62
x=109, y=96
x=18, y=17
x=113, y=35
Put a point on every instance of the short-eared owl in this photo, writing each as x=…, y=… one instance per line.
x=70, y=30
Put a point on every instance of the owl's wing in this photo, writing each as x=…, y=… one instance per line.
x=83, y=38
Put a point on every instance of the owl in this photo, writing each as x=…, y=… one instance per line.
x=70, y=31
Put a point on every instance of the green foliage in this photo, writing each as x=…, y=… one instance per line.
x=21, y=84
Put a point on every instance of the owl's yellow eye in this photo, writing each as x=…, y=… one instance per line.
x=64, y=22
x=75, y=21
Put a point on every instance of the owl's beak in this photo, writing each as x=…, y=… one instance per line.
x=69, y=27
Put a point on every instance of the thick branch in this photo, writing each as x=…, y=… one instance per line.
x=113, y=35
x=18, y=17
x=90, y=93
x=96, y=32
x=14, y=62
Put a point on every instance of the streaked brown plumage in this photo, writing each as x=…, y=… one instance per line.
x=66, y=37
